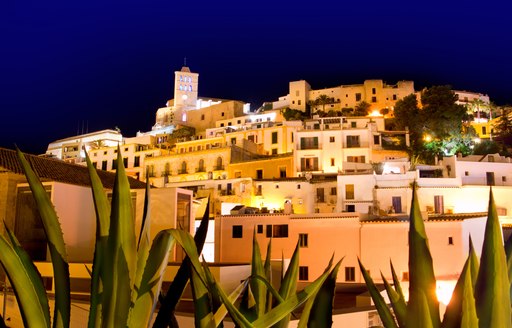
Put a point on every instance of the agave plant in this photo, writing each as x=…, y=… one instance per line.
x=126, y=274
x=481, y=297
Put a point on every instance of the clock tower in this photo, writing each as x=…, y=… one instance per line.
x=185, y=89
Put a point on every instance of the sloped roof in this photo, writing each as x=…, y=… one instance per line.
x=49, y=169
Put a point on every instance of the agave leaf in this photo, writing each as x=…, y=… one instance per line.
x=304, y=318
x=508, y=253
x=121, y=253
x=424, y=319
x=257, y=287
x=289, y=283
x=56, y=245
x=321, y=312
x=173, y=294
x=102, y=208
x=151, y=281
x=285, y=308
x=26, y=281
x=143, y=245
x=492, y=285
x=268, y=273
x=462, y=300
x=474, y=264
x=398, y=303
x=382, y=308
x=396, y=283
x=222, y=311
x=422, y=281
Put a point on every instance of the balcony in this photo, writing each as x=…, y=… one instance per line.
x=200, y=169
x=226, y=192
x=182, y=172
x=218, y=168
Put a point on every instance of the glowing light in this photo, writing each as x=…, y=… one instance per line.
x=427, y=138
x=375, y=113
x=444, y=291
x=477, y=140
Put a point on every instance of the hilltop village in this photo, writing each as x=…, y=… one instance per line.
x=321, y=168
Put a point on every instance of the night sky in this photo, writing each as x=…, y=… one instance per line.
x=90, y=65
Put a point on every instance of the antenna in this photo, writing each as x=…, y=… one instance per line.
x=185, y=61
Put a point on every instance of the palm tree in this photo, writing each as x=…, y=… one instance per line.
x=97, y=144
x=323, y=100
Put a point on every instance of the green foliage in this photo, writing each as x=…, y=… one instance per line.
x=294, y=115
x=503, y=129
x=482, y=294
x=486, y=147
x=362, y=109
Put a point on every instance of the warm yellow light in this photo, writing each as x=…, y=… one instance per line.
x=477, y=140
x=427, y=138
x=375, y=113
x=444, y=291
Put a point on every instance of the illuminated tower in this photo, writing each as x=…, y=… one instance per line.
x=185, y=89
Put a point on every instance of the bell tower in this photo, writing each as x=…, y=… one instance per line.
x=185, y=89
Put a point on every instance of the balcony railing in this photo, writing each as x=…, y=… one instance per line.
x=182, y=172
x=218, y=168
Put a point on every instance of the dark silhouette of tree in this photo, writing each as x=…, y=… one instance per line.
x=362, y=109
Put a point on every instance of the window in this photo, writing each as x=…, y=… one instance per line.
x=353, y=141
x=394, y=97
x=222, y=114
x=356, y=159
x=282, y=172
x=303, y=240
x=374, y=91
x=332, y=139
x=114, y=164
x=104, y=165
x=222, y=125
x=353, y=124
x=320, y=195
x=303, y=273
x=299, y=102
x=503, y=179
x=233, y=141
x=237, y=231
x=309, y=164
x=350, y=274
x=202, y=117
x=490, y=158
x=484, y=130
x=376, y=140
x=125, y=162
x=274, y=137
x=450, y=240
x=374, y=99
x=309, y=143
x=259, y=174
x=259, y=228
x=94, y=164
x=274, y=151
x=439, y=204
x=259, y=190
x=334, y=191
x=358, y=97
x=466, y=173
x=277, y=186
x=349, y=191
x=136, y=161
x=277, y=230
x=333, y=162
x=105, y=152
x=489, y=177
x=397, y=204
x=298, y=186
x=350, y=208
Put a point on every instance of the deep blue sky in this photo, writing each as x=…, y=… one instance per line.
x=110, y=63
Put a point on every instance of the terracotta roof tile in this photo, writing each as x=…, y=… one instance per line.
x=49, y=169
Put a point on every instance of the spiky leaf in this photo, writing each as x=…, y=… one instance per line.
x=27, y=283
x=385, y=314
x=102, y=208
x=257, y=287
x=422, y=286
x=56, y=245
x=398, y=303
x=492, y=285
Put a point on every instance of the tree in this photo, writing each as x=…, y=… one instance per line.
x=362, y=109
x=503, y=129
x=408, y=116
x=443, y=116
x=323, y=100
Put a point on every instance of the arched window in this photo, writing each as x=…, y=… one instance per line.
x=183, y=167
x=190, y=88
x=219, y=164
x=201, y=166
x=181, y=87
